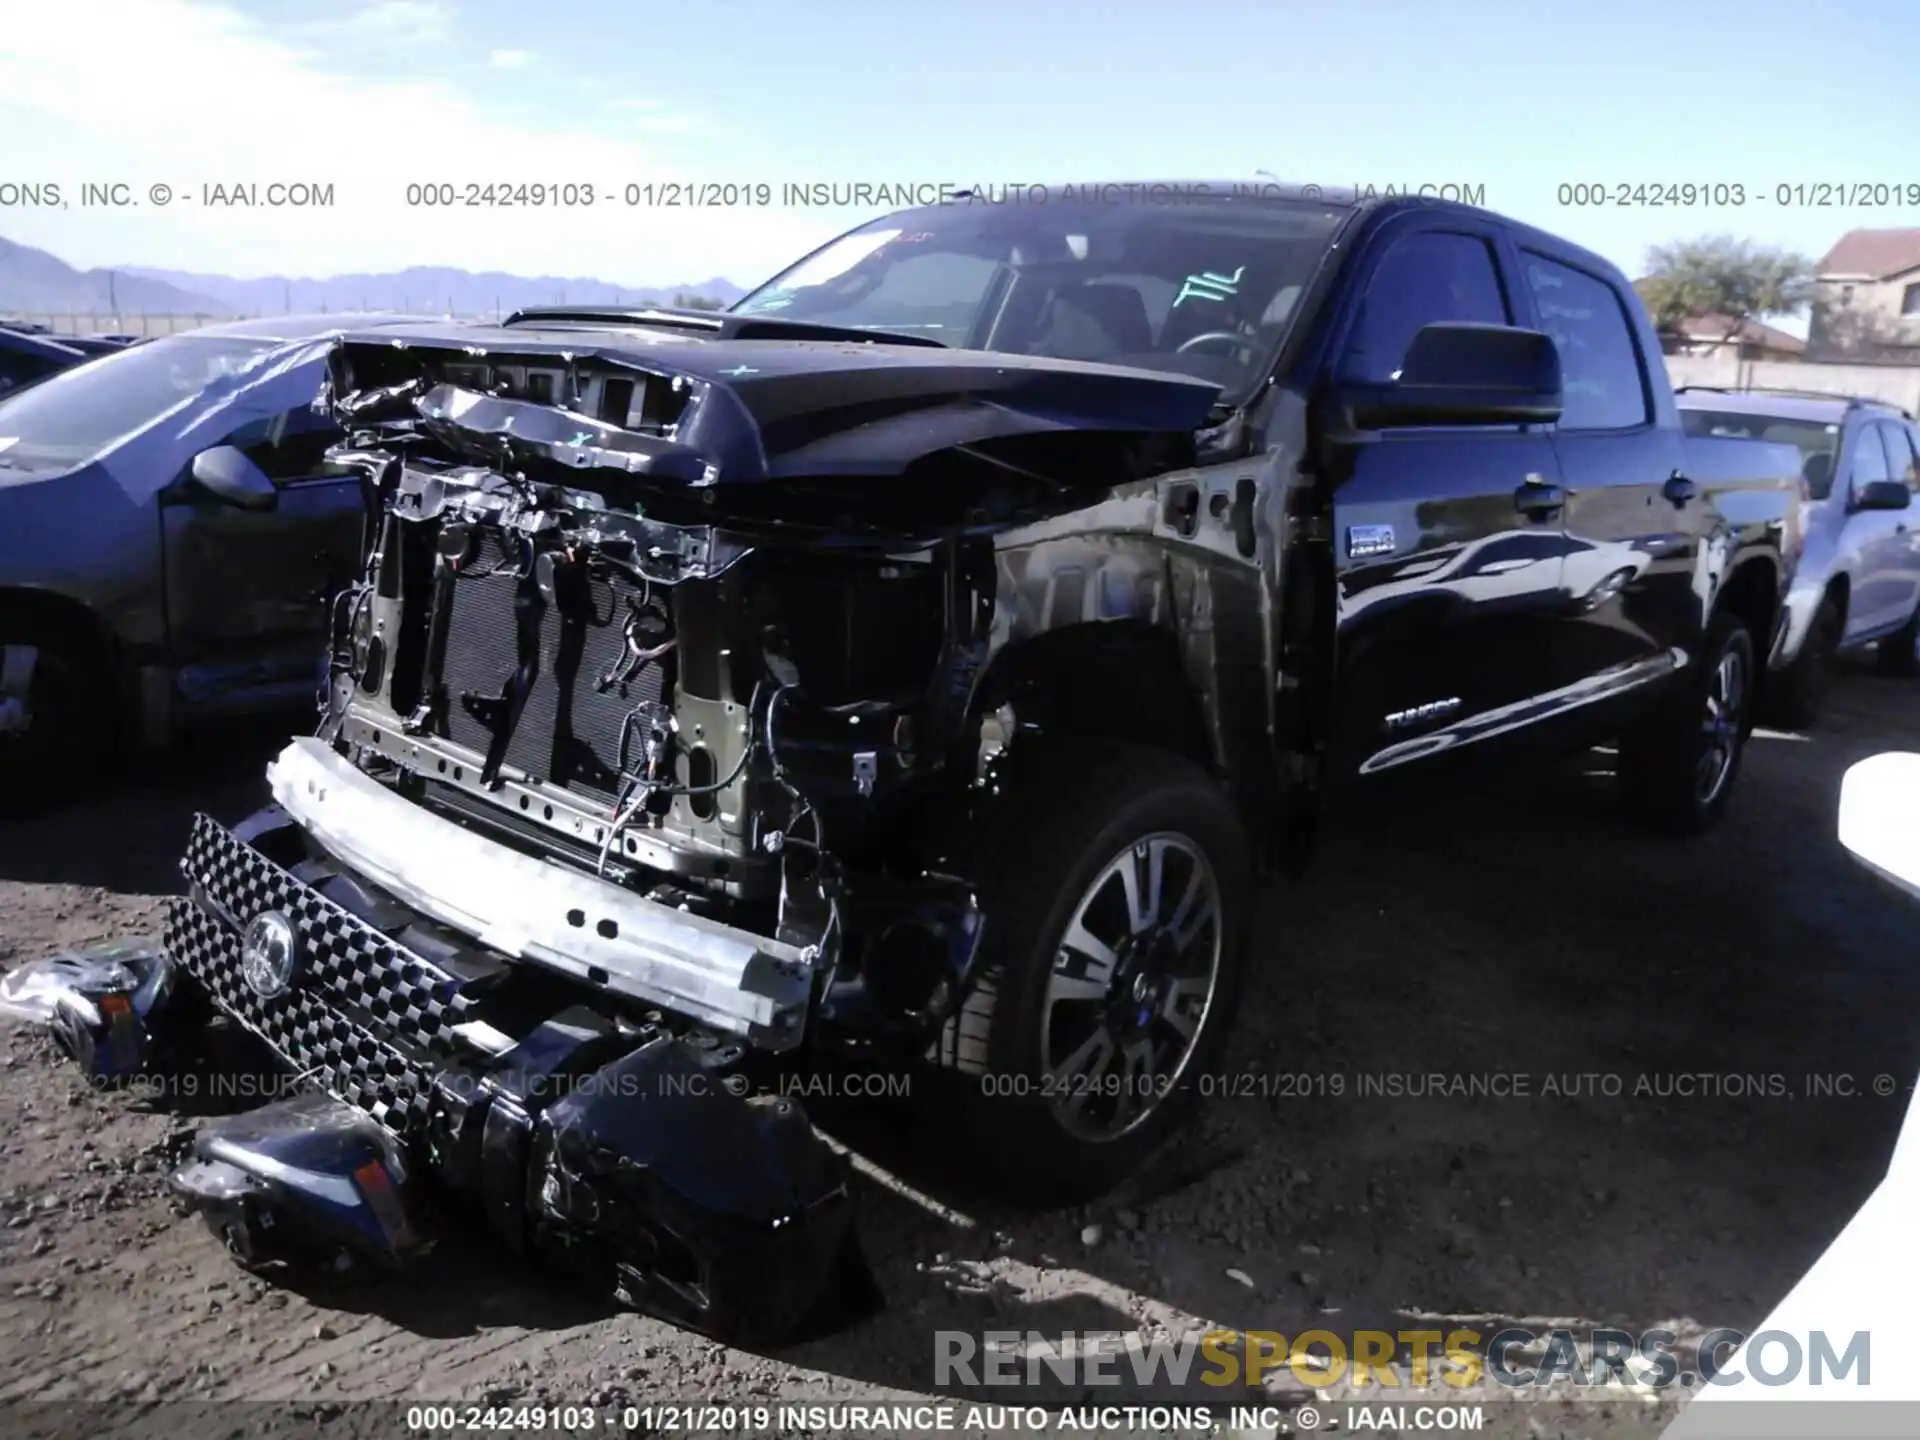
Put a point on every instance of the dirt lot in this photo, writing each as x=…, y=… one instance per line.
x=1524, y=934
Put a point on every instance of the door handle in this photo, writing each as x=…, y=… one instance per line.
x=1679, y=489
x=1537, y=498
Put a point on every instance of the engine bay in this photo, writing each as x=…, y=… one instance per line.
x=759, y=735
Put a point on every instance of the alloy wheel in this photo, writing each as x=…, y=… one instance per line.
x=1722, y=727
x=1132, y=985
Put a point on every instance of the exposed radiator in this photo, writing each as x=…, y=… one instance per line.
x=569, y=732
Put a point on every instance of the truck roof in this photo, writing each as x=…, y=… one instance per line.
x=1364, y=203
x=1781, y=404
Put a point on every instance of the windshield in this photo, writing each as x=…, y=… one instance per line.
x=1201, y=287
x=76, y=414
x=1816, y=440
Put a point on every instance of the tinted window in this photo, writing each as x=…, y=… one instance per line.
x=1423, y=279
x=80, y=412
x=1599, y=361
x=18, y=369
x=290, y=446
x=1815, y=440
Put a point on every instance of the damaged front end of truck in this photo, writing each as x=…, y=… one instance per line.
x=658, y=734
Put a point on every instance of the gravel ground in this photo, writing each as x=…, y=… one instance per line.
x=1523, y=933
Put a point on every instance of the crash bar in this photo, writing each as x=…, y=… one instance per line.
x=532, y=909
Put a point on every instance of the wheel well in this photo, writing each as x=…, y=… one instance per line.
x=1115, y=679
x=1840, y=589
x=59, y=617
x=1753, y=593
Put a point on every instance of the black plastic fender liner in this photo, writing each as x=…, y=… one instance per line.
x=309, y=1177
x=690, y=1199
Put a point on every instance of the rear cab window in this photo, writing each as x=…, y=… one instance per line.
x=1600, y=363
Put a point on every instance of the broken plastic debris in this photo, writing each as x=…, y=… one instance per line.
x=76, y=979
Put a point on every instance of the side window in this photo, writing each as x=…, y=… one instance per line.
x=1906, y=450
x=17, y=370
x=1423, y=279
x=1869, y=461
x=1599, y=359
x=290, y=446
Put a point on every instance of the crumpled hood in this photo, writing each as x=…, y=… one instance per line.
x=747, y=410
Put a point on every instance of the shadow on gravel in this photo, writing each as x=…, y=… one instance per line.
x=124, y=831
x=1499, y=1055
x=464, y=1287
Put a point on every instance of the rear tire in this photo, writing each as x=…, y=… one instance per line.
x=45, y=734
x=1899, y=653
x=1084, y=1055
x=1679, y=764
x=1798, y=691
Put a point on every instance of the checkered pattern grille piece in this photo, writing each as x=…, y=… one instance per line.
x=368, y=1019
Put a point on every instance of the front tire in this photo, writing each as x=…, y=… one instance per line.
x=49, y=716
x=1799, y=690
x=1899, y=653
x=1679, y=764
x=1116, y=886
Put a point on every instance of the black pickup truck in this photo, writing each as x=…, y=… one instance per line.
x=925, y=658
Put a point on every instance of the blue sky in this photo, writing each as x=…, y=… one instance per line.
x=1516, y=98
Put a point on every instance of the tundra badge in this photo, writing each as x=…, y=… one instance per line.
x=1420, y=714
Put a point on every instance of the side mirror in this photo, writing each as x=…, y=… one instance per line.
x=226, y=473
x=1457, y=373
x=1883, y=495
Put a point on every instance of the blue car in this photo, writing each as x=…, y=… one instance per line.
x=169, y=540
x=29, y=356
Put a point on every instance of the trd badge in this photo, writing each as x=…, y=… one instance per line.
x=1365, y=540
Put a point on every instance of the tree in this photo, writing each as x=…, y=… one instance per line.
x=684, y=301
x=1730, y=279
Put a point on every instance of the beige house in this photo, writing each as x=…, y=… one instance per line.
x=1717, y=335
x=1867, y=297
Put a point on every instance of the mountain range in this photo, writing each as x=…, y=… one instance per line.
x=36, y=282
